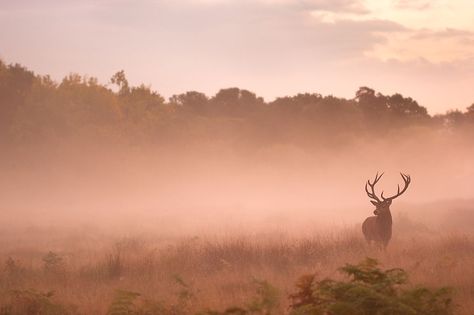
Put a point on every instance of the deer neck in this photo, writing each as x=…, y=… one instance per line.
x=385, y=218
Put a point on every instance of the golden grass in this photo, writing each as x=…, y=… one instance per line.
x=220, y=270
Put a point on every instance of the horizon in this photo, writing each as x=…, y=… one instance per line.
x=109, y=85
x=273, y=48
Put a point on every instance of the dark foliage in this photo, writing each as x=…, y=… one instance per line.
x=369, y=291
x=35, y=109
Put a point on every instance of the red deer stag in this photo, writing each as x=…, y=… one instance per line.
x=378, y=228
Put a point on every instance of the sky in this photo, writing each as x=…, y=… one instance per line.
x=419, y=48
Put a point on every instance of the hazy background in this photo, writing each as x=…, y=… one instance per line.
x=103, y=145
x=83, y=152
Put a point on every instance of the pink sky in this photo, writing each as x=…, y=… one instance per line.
x=423, y=49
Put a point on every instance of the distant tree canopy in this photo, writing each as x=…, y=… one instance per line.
x=34, y=108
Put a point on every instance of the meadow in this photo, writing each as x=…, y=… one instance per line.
x=85, y=270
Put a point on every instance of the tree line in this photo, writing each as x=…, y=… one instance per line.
x=34, y=109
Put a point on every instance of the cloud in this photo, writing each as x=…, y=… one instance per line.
x=436, y=46
x=253, y=27
x=355, y=6
x=448, y=33
x=414, y=4
x=43, y=6
x=352, y=6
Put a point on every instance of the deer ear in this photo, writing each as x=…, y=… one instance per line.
x=376, y=212
x=374, y=202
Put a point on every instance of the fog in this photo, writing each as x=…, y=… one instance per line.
x=281, y=187
x=83, y=152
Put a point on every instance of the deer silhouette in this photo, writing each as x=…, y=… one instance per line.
x=378, y=228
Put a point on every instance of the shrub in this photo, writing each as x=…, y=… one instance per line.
x=265, y=302
x=53, y=263
x=369, y=291
x=34, y=303
x=132, y=303
x=123, y=303
x=267, y=298
x=14, y=271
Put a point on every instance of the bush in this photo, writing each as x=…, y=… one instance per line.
x=265, y=302
x=369, y=291
x=14, y=272
x=53, y=263
x=35, y=303
x=132, y=303
x=123, y=303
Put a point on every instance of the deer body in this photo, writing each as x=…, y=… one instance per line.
x=378, y=228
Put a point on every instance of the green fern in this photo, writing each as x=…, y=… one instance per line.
x=369, y=291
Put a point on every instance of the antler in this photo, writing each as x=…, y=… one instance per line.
x=372, y=194
x=406, y=180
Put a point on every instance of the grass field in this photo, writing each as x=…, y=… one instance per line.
x=83, y=268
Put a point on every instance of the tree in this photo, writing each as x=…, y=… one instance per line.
x=235, y=102
x=121, y=81
x=15, y=85
x=470, y=113
x=374, y=108
x=406, y=108
x=194, y=102
x=141, y=103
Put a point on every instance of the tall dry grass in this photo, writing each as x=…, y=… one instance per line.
x=85, y=267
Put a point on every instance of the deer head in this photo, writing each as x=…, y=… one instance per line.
x=382, y=205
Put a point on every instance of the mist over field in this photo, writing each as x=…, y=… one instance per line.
x=275, y=183
x=79, y=151
x=244, y=176
x=104, y=184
